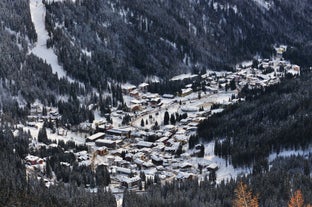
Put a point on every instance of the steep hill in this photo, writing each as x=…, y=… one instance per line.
x=129, y=40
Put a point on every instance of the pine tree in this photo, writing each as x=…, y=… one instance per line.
x=296, y=200
x=244, y=197
x=172, y=119
x=142, y=123
x=42, y=136
x=166, y=118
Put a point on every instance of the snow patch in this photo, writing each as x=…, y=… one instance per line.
x=264, y=4
x=288, y=153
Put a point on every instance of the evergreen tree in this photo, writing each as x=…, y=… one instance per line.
x=172, y=119
x=42, y=136
x=232, y=84
x=166, y=118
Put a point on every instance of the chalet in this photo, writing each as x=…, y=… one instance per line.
x=184, y=121
x=33, y=160
x=186, y=91
x=170, y=128
x=173, y=148
x=169, y=96
x=102, y=151
x=154, y=102
x=157, y=160
x=148, y=164
x=213, y=167
x=128, y=157
x=150, y=96
x=162, y=140
x=125, y=132
x=143, y=87
x=181, y=138
x=212, y=89
x=136, y=107
x=142, y=144
x=130, y=182
x=138, y=161
x=106, y=143
x=123, y=170
x=96, y=136
x=193, y=124
x=145, y=150
x=189, y=109
x=135, y=102
x=185, y=176
x=186, y=166
x=127, y=88
x=139, y=155
x=134, y=93
x=104, y=127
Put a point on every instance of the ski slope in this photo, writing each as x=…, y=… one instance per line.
x=38, y=11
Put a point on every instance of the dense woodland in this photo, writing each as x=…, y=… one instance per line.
x=270, y=120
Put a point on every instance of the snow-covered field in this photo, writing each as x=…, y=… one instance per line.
x=78, y=138
x=225, y=171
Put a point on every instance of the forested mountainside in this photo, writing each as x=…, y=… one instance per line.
x=127, y=40
x=270, y=120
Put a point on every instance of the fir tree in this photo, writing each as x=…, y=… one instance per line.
x=166, y=118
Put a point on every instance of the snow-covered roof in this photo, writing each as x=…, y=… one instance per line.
x=189, y=109
x=142, y=85
x=184, y=175
x=156, y=158
x=31, y=158
x=129, y=180
x=186, y=90
x=213, y=166
x=144, y=144
x=128, y=86
x=105, y=141
x=123, y=170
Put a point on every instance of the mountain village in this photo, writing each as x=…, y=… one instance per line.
x=154, y=143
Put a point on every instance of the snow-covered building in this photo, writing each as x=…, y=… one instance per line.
x=96, y=136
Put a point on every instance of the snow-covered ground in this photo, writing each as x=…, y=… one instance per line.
x=38, y=11
x=288, y=153
x=173, y=106
x=225, y=171
x=78, y=138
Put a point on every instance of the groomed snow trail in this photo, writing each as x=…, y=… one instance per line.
x=38, y=11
